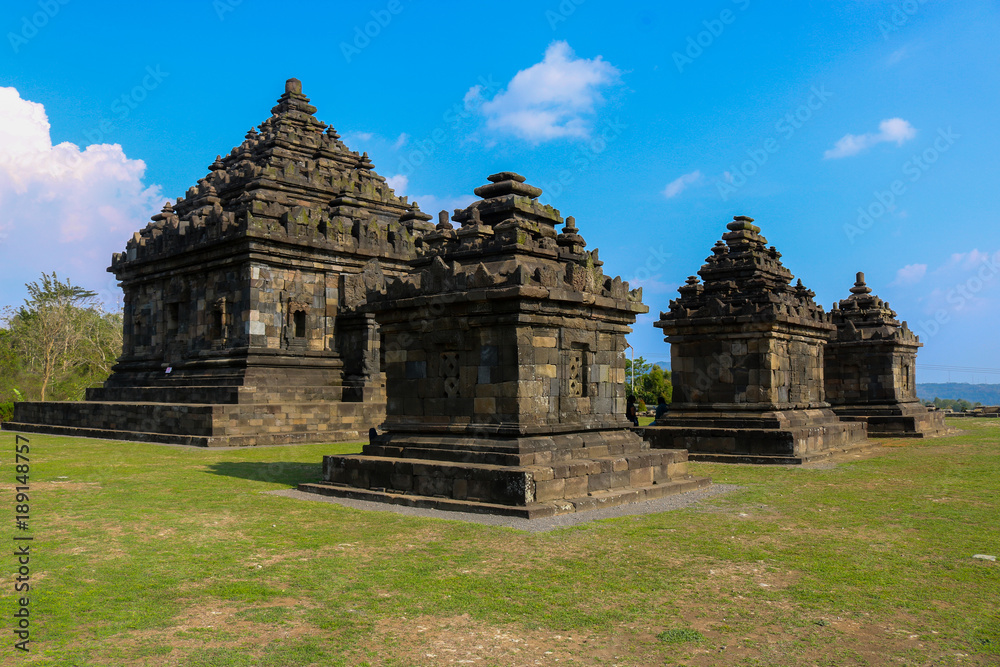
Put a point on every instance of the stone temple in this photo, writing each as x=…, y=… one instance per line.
x=505, y=373
x=747, y=362
x=233, y=328
x=871, y=369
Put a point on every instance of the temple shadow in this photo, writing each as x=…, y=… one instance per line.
x=291, y=473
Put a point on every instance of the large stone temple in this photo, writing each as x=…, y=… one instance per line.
x=746, y=349
x=233, y=334
x=505, y=373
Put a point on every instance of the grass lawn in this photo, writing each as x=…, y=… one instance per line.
x=155, y=555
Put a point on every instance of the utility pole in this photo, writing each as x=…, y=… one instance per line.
x=632, y=373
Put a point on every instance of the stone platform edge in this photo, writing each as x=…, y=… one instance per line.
x=831, y=454
x=204, y=441
x=595, y=500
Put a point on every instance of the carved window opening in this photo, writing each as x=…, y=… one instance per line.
x=173, y=319
x=489, y=359
x=450, y=371
x=906, y=377
x=217, y=324
x=137, y=332
x=575, y=368
x=299, y=323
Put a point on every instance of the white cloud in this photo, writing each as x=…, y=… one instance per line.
x=428, y=203
x=890, y=130
x=910, y=274
x=398, y=183
x=432, y=204
x=353, y=139
x=680, y=184
x=62, y=208
x=553, y=99
x=401, y=141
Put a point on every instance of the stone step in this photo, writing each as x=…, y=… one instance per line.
x=503, y=484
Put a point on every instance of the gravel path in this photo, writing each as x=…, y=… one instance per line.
x=531, y=525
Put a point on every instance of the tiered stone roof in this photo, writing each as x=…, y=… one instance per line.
x=744, y=280
x=507, y=239
x=864, y=316
x=292, y=180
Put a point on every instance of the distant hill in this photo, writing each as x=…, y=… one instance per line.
x=987, y=394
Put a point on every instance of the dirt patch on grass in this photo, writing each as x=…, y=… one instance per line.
x=427, y=641
x=220, y=625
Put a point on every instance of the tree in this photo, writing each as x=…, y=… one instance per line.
x=651, y=381
x=633, y=375
x=656, y=383
x=63, y=338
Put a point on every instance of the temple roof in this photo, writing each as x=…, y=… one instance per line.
x=864, y=316
x=743, y=277
x=505, y=239
x=291, y=178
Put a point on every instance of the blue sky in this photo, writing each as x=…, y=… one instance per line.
x=861, y=135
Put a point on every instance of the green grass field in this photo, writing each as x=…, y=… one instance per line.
x=155, y=555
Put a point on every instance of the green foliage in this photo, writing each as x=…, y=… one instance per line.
x=58, y=343
x=959, y=405
x=6, y=411
x=651, y=382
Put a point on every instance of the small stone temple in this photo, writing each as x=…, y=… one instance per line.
x=871, y=369
x=746, y=349
x=233, y=331
x=504, y=371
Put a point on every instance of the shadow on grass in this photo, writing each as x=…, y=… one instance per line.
x=291, y=473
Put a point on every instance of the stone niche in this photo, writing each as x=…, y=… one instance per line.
x=504, y=372
x=232, y=299
x=871, y=369
x=746, y=350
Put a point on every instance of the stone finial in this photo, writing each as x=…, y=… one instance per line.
x=507, y=183
x=293, y=100
x=570, y=236
x=365, y=162
x=443, y=222
x=217, y=165
x=859, y=286
x=505, y=176
x=743, y=223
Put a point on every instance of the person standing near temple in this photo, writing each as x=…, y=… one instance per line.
x=661, y=406
x=630, y=411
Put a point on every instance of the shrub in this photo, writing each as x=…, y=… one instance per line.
x=6, y=412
